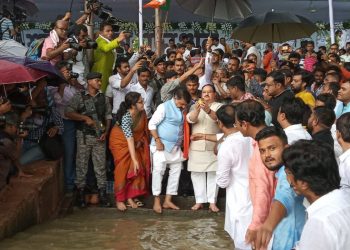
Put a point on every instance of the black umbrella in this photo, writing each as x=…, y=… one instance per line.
x=218, y=9
x=274, y=27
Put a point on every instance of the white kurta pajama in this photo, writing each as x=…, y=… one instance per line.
x=202, y=161
x=233, y=159
x=161, y=159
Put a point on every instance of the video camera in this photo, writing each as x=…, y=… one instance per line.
x=104, y=12
x=22, y=126
x=22, y=107
x=74, y=43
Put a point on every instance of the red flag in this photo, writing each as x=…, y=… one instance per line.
x=155, y=4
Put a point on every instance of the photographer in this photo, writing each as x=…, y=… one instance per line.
x=62, y=97
x=81, y=42
x=104, y=55
x=56, y=43
x=6, y=25
x=10, y=147
x=44, y=121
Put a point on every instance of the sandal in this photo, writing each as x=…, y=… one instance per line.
x=139, y=203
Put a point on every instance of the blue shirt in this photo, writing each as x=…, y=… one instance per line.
x=288, y=231
x=346, y=108
x=6, y=27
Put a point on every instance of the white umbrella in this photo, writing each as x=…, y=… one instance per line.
x=12, y=48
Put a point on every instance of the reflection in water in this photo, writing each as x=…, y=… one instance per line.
x=108, y=229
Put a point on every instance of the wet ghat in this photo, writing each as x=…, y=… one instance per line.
x=97, y=228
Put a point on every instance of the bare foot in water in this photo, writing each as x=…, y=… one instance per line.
x=213, y=208
x=121, y=206
x=132, y=203
x=170, y=205
x=197, y=206
x=157, y=207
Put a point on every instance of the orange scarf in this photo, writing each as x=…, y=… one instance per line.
x=186, y=142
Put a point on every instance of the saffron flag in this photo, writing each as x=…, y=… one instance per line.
x=155, y=4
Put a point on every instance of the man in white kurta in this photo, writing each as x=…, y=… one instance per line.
x=166, y=127
x=232, y=173
x=202, y=161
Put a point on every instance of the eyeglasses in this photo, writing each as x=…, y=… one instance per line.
x=63, y=29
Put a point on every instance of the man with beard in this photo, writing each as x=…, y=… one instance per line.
x=320, y=123
x=287, y=215
x=250, y=119
x=192, y=85
x=233, y=66
x=301, y=80
x=276, y=88
x=316, y=87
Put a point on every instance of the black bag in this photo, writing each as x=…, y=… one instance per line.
x=52, y=147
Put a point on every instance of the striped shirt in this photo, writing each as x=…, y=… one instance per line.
x=6, y=27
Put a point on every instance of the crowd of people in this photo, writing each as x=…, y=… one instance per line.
x=271, y=128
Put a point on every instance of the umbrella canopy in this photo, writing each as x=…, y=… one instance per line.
x=12, y=48
x=54, y=75
x=273, y=27
x=27, y=5
x=218, y=9
x=11, y=73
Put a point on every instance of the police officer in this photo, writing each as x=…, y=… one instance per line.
x=93, y=111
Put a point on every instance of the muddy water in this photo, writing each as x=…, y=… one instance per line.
x=108, y=229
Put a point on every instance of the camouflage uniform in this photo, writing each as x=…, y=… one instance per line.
x=87, y=143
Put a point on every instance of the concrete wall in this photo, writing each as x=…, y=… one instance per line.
x=31, y=200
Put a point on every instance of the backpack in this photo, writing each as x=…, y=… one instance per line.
x=34, y=50
x=2, y=33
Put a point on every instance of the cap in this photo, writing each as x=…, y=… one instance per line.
x=93, y=75
x=159, y=60
x=216, y=52
x=170, y=74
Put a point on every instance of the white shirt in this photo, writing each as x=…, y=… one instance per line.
x=337, y=148
x=208, y=71
x=62, y=102
x=295, y=133
x=345, y=58
x=344, y=169
x=219, y=46
x=232, y=173
x=119, y=92
x=328, y=223
x=147, y=96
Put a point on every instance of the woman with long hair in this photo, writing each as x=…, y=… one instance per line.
x=129, y=145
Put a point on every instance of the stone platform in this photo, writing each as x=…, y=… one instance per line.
x=27, y=201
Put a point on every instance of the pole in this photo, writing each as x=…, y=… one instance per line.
x=331, y=20
x=90, y=27
x=140, y=24
x=71, y=6
x=158, y=33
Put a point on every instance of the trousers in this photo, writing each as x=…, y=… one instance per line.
x=204, y=186
x=161, y=160
x=87, y=146
x=69, y=140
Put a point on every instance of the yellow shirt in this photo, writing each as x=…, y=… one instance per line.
x=307, y=98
